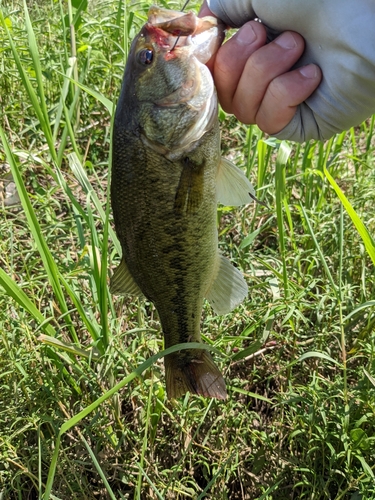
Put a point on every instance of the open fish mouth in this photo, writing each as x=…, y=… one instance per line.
x=174, y=30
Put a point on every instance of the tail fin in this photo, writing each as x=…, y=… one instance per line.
x=193, y=371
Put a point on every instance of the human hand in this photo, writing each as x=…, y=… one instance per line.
x=255, y=81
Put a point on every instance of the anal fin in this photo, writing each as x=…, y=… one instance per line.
x=122, y=282
x=228, y=287
x=195, y=373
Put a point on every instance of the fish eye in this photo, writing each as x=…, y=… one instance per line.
x=145, y=56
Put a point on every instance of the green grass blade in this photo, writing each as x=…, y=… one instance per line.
x=322, y=259
x=105, y=296
x=14, y=291
x=319, y=355
x=138, y=489
x=58, y=176
x=367, y=469
x=99, y=277
x=52, y=469
x=370, y=377
x=63, y=95
x=126, y=31
x=313, y=354
x=281, y=161
x=81, y=176
x=251, y=237
x=70, y=130
x=109, y=105
x=91, y=325
x=365, y=305
x=252, y=395
x=158, y=494
x=367, y=239
x=67, y=130
x=99, y=469
x=36, y=105
x=39, y=80
x=71, y=349
x=253, y=347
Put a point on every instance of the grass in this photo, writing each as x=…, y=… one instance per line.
x=83, y=409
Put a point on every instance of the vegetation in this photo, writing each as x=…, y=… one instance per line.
x=83, y=410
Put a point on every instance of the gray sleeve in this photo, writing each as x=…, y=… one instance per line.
x=233, y=13
x=340, y=38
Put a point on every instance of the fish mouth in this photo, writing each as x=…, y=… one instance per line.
x=175, y=31
x=179, y=23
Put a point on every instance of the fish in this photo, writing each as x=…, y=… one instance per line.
x=167, y=178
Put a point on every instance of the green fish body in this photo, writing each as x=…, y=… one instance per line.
x=167, y=178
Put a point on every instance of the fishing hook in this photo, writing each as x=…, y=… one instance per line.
x=185, y=5
x=178, y=36
x=175, y=43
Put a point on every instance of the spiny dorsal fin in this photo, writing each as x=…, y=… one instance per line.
x=122, y=282
x=228, y=287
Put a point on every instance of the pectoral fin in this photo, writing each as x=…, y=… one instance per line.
x=233, y=188
x=228, y=287
x=189, y=193
x=122, y=282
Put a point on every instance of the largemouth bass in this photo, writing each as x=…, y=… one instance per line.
x=166, y=181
